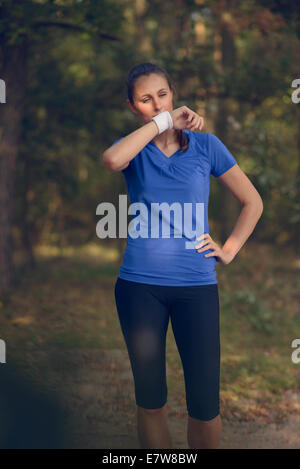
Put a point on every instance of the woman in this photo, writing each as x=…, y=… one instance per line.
x=166, y=161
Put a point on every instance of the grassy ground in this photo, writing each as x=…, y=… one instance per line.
x=68, y=303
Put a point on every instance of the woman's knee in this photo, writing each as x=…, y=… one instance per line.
x=158, y=410
x=205, y=422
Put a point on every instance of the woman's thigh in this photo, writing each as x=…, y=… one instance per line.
x=195, y=322
x=144, y=319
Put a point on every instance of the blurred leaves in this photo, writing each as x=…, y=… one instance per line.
x=75, y=103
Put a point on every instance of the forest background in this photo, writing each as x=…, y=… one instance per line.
x=64, y=64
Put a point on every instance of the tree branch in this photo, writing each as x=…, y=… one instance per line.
x=65, y=25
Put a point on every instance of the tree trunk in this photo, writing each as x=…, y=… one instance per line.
x=24, y=215
x=14, y=75
x=229, y=206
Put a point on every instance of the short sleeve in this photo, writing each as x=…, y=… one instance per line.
x=221, y=160
x=116, y=140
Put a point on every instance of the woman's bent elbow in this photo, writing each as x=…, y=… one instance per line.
x=108, y=162
x=260, y=207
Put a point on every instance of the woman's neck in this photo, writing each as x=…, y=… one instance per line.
x=169, y=137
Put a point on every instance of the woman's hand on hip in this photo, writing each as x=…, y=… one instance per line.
x=206, y=242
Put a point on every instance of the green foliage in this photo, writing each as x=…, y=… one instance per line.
x=255, y=312
x=79, y=54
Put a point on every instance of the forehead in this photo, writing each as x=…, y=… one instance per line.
x=150, y=84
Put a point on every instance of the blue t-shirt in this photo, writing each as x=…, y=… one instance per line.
x=153, y=178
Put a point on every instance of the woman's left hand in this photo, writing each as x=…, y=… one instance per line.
x=206, y=242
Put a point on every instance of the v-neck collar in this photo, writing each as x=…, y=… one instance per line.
x=163, y=154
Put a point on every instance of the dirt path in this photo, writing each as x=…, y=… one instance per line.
x=93, y=392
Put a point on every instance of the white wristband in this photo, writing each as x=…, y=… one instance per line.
x=163, y=121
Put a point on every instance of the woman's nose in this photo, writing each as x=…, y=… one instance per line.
x=156, y=105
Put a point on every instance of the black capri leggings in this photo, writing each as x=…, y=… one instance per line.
x=144, y=312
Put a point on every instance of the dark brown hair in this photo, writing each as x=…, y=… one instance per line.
x=146, y=69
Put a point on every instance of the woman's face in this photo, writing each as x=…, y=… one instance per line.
x=152, y=96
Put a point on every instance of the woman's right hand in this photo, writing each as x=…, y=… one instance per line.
x=184, y=118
